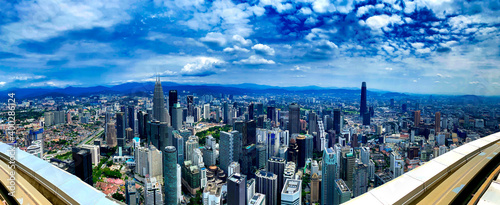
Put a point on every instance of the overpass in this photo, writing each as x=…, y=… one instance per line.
x=39, y=182
x=460, y=176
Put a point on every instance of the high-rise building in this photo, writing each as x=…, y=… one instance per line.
x=111, y=140
x=233, y=168
x=293, y=151
x=236, y=189
x=271, y=113
x=250, y=111
x=226, y=111
x=362, y=105
x=365, y=155
x=120, y=129
x=152, y=192
x=437, y=122
x=170, y=174
x=131, y=195
x=83, y=164
x=315, y=188
x=178, y=143
x=159, y=103
x=206, y=111
x=172, y=99
x=337, y=120
x=159, y=134
x=360, y=183
x=146, y=159
x=176, y=116
x=329, y=169
x=347, y=168
x=276, y=165
x=342, y=192
x=229, y=149
x=294, y=118
x=131, y=117
x=258, y=199
x=266, y=183
x=142, y=120
x=313, y=122
x=190, y=105
x=417, y=118
x=291, y=193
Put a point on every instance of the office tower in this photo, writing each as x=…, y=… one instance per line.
x=250, y=111
x=365, y=155
x=229, y=149
x=83, y=164
x=208, y=156
x=179, y=184
x=159, y=134
x=152, y=192
x=289, y=172
x=337, y=120
x=328, y=177
x=314, y=188
x=248, y=159
x=347, y=168
x=362, y=104
x=131, y=116
x=292, y=192
x=392, y=103
x=192, y=176
x=313, y=122
x=49, y=119
x=94, y=150
x=129, y=133
x=417, y=118
x=206, y=111
x=360, y=179
x=131, y=195
x=366, y=118
x=120, y=129
x=261, y=155
x=259, y=108
x=233, y=168
x=226, y=112
x=170, y=174
x=172, y=99
x=397, y=164
x=266, y=183
x=190, y=105
x=258, y=199
x=437, y=122
x=176, y=116
x=293, y=151
x=342, y=192
x=146, y=160
x=354, y=140
x=303, y=150
x=178, y=143
x=251, y=135
x=276, y=165
x=141, y=124
x=159, y=103
x=250, y=189
x=236, y=189
x=212, y=194
x=294, y=118
x=270, y=113
x=111, y=140
x=191, y=145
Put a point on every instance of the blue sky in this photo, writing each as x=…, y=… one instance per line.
x=421, y=46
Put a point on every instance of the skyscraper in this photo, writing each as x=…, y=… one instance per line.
x=417, y=118
x=111, y=140
x=236, y=189
x=342, y=192
x=360, y=183
x=131, y=195
x=437, y=122
x=337, y=120
x=250, y=111
x=294, y=118
x=266, y=183
x=276, y=165
x=314, y=188
x=170, y=175
x=328, y=177
x=172, y=99
x=270, y=113
x=291, y=193
x=177, y=116
x=131, y=117
x=159, y=102
x=229, y=149
x=83, y=164
x=362, y=105
x=190, y=105
x=120, y=129
x=226, y=112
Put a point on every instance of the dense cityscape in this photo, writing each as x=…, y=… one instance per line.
x=179, y=147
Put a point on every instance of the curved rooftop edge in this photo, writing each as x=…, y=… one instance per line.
x=407, y=188
x=40, y=182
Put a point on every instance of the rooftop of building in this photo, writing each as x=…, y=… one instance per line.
x=292, y=186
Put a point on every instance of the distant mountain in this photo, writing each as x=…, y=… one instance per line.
x=144, y=88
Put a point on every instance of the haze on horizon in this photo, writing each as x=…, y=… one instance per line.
x=421, y=46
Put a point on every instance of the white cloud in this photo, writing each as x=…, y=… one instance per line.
x=280, y=5
x=417, y=45
x=363, y=10
x=387, y=68
x=423, y=50
x=305, y=11
x=235, y=49
x=376, y=23
x=3, y=83
x=41, y=20
x=214, y=38
x=300, y=68
x=263, y=49
x=255, y=60
x=201, y=66
x=241, y=40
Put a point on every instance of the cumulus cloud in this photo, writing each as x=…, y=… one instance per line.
x=214, y=39
x=376, y=23
x=255, y=60
x=235, y=49
x=241, y=40
x=263, y=49
x=201, y=66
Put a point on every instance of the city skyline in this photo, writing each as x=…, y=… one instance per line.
x=423, y=46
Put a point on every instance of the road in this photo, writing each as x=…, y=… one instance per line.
x=91, y=136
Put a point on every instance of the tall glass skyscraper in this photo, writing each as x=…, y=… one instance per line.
x=294, y=118
x=328, y=177
x=170, y=175
x=120, y=129
x=362, y=107
x=159, y=102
